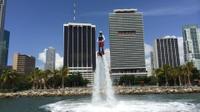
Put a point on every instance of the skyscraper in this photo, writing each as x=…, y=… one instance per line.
x=2, y=17
x=4, y=38
x=80, y=48
x=191, y=42
x=166, y=52
x=126, y=43
x=50, y=59
x=4, y=49
x=23, y=64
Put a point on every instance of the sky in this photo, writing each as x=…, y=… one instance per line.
x=38, y=24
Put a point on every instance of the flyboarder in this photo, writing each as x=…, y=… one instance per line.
x=101, y=40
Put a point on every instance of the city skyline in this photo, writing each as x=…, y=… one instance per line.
x=50, y=30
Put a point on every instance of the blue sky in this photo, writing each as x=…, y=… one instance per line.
x=37, y=24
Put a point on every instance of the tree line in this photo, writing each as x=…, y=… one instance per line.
x=184, y=75
x=10, y=80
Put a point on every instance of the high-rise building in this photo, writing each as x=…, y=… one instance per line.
x=23, y=64
x=50, y=59
x=151, y=70
x=80, y=48
x=166, y=52
x=152, y=63
x=126, y=43
x=4, y=35
x=191, y=43
x=4, y=49
x=2, y=17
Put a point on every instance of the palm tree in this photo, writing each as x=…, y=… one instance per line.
x=158, y=72
x=55, y=72
x=35, y=78
x=174, y=74
x=166, y=70
x=189, y=68
x=45, y=75
x=180, y=74
x=184, y=70
x=9, y=78
x=64, y=73
x=55, y=75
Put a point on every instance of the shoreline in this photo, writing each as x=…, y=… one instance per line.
x=81, y=91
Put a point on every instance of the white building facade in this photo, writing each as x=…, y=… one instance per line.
x=191, y=43
x=50, y=59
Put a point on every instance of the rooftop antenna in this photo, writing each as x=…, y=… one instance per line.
x=74, y=6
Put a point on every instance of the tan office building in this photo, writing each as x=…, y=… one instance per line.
x=23, y=64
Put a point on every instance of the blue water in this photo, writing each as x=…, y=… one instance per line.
x=126, y=103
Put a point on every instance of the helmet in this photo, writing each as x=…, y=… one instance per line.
x=100, y=32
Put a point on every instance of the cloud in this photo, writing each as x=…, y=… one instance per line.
x=42, y=56
x=148, y=65
x=168, y=36
x=59, y=59
x=173, y=11
x=148, y=50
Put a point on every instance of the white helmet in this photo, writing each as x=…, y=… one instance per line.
x=100, y=32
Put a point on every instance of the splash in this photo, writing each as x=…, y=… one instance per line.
x=123, y=106
x=103, y=99
x=102, y=89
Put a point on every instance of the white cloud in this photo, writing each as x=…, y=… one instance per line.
x=42, y=56
x=168, y=36
x=59, y=59
x=148, y=50
x=148, y=63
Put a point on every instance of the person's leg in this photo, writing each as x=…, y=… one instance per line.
x=99, y=50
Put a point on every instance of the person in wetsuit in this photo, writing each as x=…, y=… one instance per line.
x=101, y=40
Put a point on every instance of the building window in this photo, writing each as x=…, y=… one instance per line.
x=126, y=33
